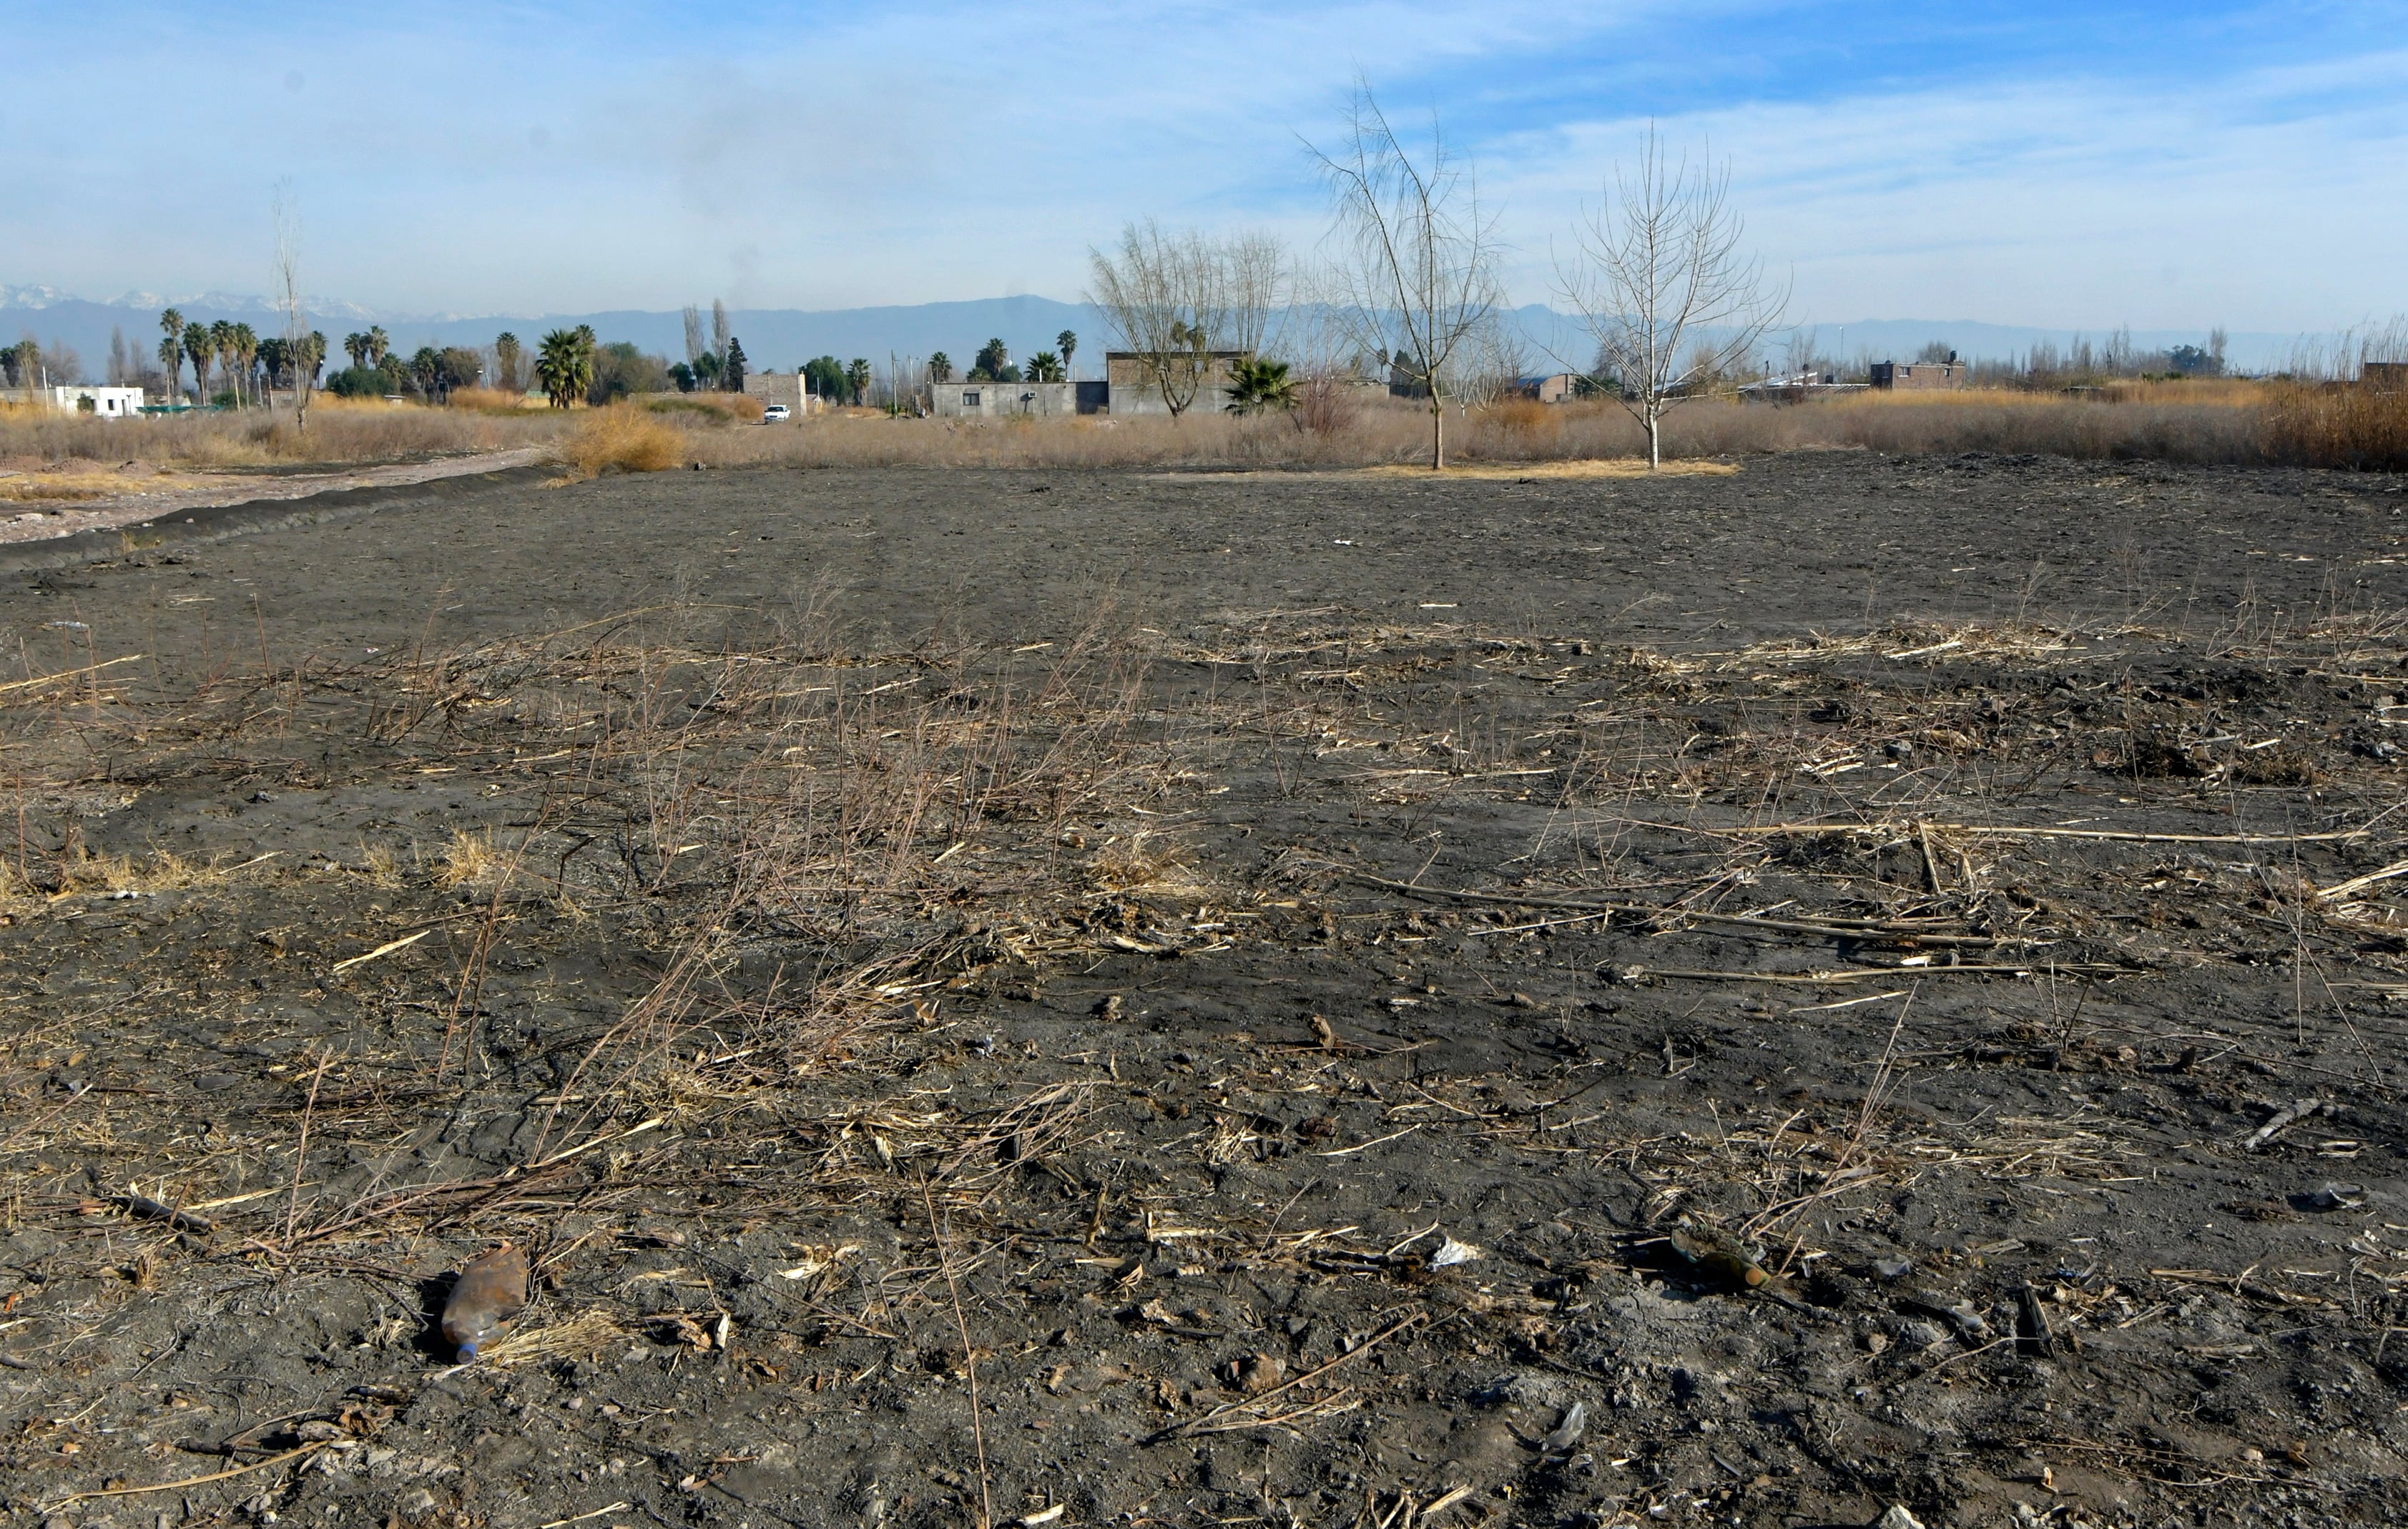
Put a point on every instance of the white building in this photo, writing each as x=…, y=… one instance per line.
x=80, y=398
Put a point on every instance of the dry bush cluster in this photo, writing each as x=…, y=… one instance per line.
x=2194, y=423
x=626, y=440
x=2336, y=425
x=339, y=431
x=2242, y=423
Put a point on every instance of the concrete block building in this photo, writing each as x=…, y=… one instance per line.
x=1003, y=400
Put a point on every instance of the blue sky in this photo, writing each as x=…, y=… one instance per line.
x=2049, y=164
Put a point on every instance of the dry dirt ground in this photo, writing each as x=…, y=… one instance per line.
x=1185, y=1000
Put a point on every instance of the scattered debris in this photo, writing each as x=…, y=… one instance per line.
x=1568, y=1433
x=2284, y=1119
x=1451, y=1253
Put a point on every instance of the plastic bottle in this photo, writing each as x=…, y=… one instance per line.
x=490, y=1291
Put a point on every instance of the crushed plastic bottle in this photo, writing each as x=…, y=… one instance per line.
x=490, y=1291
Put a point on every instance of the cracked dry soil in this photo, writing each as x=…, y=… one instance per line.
x=1741, y=1000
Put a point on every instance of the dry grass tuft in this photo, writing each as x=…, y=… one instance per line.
x=495, y=401
x=622, y=438
x=720, y=407
x=468, y=860
x=124, y=875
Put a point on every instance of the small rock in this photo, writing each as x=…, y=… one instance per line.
x=1893, y=1268
x=1897, y=1518
x=2338, y=1197
x=417, y=1504
x=1256, y=1373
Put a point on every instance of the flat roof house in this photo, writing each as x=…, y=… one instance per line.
x=80, y=398
x=1918, y=374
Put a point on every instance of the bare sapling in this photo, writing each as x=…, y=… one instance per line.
x=1413, y=255
x=300, y=346
x=1661, y=285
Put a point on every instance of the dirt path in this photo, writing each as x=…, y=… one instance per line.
x=32, y=523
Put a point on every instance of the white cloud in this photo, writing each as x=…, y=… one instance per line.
x=2263, y=203
x=502, y=158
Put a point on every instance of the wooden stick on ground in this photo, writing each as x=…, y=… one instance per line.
x=192, y=1481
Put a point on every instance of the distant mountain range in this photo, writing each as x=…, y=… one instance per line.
x=783, y=339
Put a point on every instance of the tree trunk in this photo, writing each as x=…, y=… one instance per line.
x=1438, y=430
x=1655, y=438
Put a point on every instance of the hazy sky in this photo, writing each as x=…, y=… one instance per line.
x=2033, y=162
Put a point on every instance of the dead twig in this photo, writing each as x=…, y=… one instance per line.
x=192, y=1481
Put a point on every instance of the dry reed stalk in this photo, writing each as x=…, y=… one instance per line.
x=969, y=1357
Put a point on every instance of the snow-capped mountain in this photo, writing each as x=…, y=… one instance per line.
x=22, y=298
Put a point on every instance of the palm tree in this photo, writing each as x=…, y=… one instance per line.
x=355, y=345
x=856, y=377
x=1068, y=342
x=565, y=365
x=171, y=349
x=246, y=350
x=197, y=346
x=1045, y=366
x=219, y=338
x=380, y=344
x=1258, y=384
x=940, y=367
x=506, y=360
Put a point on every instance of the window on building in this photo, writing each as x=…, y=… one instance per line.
x=970, y=398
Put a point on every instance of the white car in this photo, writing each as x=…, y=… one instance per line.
x=774, y=413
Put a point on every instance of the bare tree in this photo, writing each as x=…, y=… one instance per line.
x=1416, y=256
x=298, y=343
x=719, y=331
x=1661, y=286
x=1490, y=364
x=1167, y=296
x=1257, y=266
x=693, y=345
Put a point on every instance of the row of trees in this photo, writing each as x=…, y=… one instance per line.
x=713, y=365
x=246, y=364
x=993, y=362
x=29, y=363
x=1655, y=275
